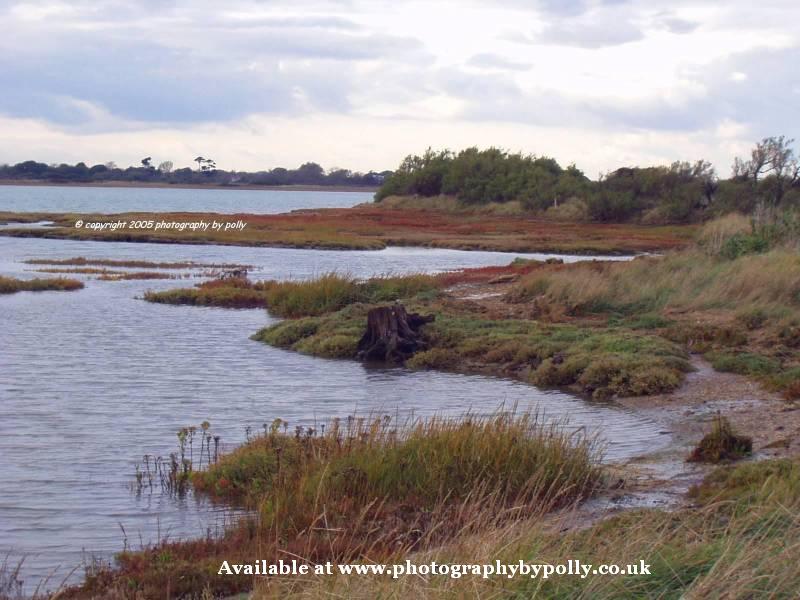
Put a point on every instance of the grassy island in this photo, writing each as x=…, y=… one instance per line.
x=11, y=285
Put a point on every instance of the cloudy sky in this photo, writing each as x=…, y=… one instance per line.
x=256, y=84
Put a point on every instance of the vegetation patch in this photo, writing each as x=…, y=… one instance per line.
x=364, y=489
x=327, y=293
x=231, y=292
x=371, y=227
x=599, y=362
x=721, y=443
x=11, y=285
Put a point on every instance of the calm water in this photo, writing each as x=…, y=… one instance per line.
x=113, y=200
x=92, y=380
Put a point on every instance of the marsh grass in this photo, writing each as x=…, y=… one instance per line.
x=11, y=285
x=326, y=293
x=741, y=309
x=740, y=541
x=597, y=361
x=369, y=227
x=364, y=489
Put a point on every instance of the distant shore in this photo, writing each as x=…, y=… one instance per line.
x=145, y=184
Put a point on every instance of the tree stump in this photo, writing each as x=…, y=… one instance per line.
x=392, y=334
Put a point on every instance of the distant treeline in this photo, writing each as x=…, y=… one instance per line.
x=679, y=193
x=206, y=173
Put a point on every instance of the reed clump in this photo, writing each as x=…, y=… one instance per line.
x=364, y=489
x=11, y=285
x=721, y=443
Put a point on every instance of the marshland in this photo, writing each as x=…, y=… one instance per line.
x=557, y=405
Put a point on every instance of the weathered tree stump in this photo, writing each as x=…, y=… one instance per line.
x=392, y=334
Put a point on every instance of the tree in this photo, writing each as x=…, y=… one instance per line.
x=165, y=167
x=146, y=162
x=199, y=160
x=775, y=160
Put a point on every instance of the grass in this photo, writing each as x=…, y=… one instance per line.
x=371, y=227
x=740, y=541
x=232, y=292
x=595, y=361
x=721, y=443
x=364, y=489
x=742, y=311
x=11, y=285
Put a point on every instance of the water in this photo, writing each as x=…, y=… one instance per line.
x=21, y=198
x=92, y=380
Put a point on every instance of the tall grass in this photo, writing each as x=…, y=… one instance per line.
x=365, y=489
x=326, y=293
x=11, y=285
x=680, y=281
x=740, y=541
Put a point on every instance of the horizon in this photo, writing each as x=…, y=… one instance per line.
x=602, y=84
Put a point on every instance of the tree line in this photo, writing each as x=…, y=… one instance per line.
x=678, y=193
x=206, y=173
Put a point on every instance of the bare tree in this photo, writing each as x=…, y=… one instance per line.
x=772, y=157
x=165, y=167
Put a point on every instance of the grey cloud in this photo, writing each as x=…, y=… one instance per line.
x=677, y=25
x=594, y=32
x=168, y=71
x=488, y=60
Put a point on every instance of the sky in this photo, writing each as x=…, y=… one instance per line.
x=359, y=85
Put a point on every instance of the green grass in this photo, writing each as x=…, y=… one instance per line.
x=292, y=299
x=11, y=285
x=597, y=361
x=744, y=363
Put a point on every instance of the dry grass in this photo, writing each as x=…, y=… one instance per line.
x=680, y=282
x=740, y=542
x=364, y=489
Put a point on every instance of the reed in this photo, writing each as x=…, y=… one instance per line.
x=362, y=488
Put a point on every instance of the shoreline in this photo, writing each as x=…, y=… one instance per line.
x=187, y=186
